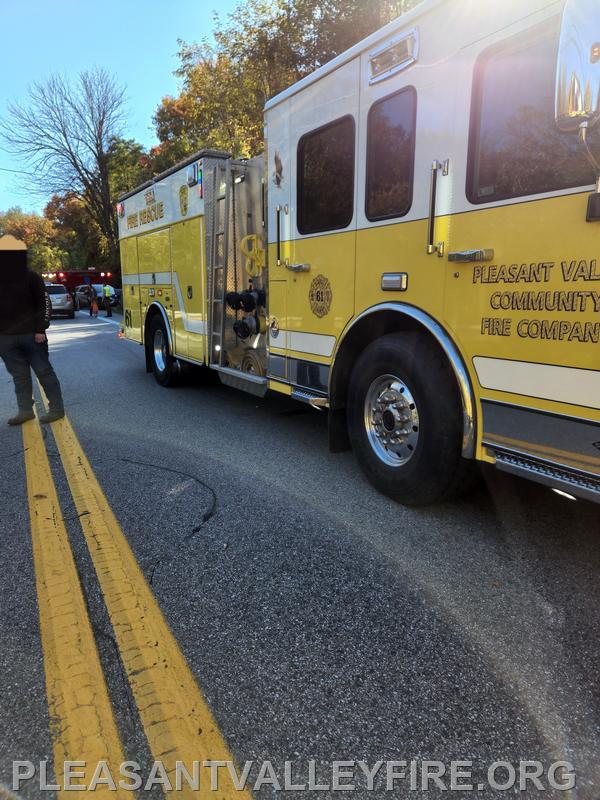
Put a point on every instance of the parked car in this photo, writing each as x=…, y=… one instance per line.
x=60, y=300
x=82, y=298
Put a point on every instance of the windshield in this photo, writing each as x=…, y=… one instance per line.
x=56, y=289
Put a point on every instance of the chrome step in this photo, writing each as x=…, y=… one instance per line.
x=244, y=381
x=579, y=484
x=315, y=400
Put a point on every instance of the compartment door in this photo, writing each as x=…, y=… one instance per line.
x=187, y=249
x=154, y=258
x=131, y=289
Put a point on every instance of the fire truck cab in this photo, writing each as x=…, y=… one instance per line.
x=417, y=251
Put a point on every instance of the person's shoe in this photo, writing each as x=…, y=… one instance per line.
x=21, y=417
x=51, y=416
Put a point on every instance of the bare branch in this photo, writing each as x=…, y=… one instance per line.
x=63, y=136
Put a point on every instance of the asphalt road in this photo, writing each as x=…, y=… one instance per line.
x=321, y=621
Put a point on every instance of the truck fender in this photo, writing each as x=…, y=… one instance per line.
x=153, y=309
x=416, y=319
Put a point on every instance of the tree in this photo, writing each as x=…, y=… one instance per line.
x=75, y=231
x=39, y=234
x=128, y=166
x=260, y=49
x=64, y=135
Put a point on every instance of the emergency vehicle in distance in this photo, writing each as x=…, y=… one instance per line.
x=418, y=251
x=74, y=278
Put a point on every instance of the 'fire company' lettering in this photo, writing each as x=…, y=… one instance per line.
x=559, y=330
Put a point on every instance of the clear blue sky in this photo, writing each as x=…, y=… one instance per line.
x=137, y=41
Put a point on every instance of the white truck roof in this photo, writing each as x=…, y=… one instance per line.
x=484, y=8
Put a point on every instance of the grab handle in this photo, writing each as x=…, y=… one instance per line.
x=278, y=211
x=432, y=246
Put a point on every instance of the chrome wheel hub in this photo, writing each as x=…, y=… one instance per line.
x=160, y=350
x=391, y=420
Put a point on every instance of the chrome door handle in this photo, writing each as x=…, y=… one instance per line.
x=432, y=246
x=278, y=211
x=298, y=267
x=467, y=256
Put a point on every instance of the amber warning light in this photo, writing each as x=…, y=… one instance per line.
x=595, y=57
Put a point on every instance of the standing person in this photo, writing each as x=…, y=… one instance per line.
x=106, y=293
x=91, y=294
x=23, y=342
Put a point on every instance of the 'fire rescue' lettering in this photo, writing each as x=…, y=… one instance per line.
x=149, y=214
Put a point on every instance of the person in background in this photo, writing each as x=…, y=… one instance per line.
x=23, y=323
x=91, y=294
x=106, y=293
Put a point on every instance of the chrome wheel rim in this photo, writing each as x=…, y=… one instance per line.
x=391, y=420
x=160, y=350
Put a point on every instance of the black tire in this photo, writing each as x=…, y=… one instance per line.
x=72, y=315
x=164, y=366
x=421, y=407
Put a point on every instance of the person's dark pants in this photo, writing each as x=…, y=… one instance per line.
x=108, y=306
x=21, y=354
x=90, y=306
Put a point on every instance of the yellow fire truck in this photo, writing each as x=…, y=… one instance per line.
x=418, y=251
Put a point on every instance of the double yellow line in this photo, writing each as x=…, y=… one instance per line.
x=177, y=721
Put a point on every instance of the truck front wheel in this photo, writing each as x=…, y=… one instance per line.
x=405, y=421
x=164, y=366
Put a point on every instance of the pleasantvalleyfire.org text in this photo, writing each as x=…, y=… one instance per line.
x=399, y=776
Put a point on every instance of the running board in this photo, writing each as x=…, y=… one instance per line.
x=314, y=400
x=578, y=484
x=243, y=381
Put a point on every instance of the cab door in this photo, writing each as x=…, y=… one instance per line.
x=320, y=270
x=522, y=295
x=407, y=121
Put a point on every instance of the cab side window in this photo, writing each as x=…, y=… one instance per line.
x=391, y=155
x=326, y=177
x=514, y=146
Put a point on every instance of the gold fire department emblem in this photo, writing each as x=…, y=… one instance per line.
x=183, y=200
x=320, y=296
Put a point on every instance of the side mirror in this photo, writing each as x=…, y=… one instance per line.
x=578, y=67
x=577, y=106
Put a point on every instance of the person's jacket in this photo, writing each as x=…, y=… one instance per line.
x=22, y=296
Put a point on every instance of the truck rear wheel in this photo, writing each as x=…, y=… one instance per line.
x=405, y=421
x=164, y=366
